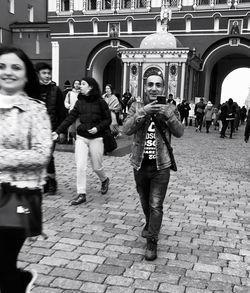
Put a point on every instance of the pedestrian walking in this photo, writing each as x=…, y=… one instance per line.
x=243, y=114
x=69, y=104
x=150, y=158
x=95, y=118
x=184, y=109
x=208, y=115
x=229, y=110
x=52, y=96
x=115, y=108
x=25, y=143
x=247, y=127
x=125, y=98
x=199, y=113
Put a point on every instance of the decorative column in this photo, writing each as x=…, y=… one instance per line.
x=132, y=4
x=125, y=77
x=178, y=90
x=55, y=62
x=166, y=78
x=140, y=81
x=57, y=6
x=84, y=6
x=183, y=70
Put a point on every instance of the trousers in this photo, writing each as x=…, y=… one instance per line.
x=95, y=148
x=152, y=184
x=11, y=278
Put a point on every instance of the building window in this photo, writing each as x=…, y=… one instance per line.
x=141, y=3
x=188, y=24
x=30, y=13
x=92, y=5
x=71, y=27
x=106, y=4
x=216, y=24
x=126, y=4
x=95, y=27
x=12, y=6
x=37, y=44
x=65, y=5
x=129, y=25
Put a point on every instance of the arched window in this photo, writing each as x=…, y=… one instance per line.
x=216, y=23
x=65, y=5
x=188, y=24
x=129, y=25
x=71, y=27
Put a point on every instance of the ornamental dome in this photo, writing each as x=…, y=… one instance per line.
x=159, y=40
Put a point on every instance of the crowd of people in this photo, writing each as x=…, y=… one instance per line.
x=228, y=115
x=35, y=114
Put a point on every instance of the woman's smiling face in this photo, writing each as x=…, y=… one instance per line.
x=12, y=74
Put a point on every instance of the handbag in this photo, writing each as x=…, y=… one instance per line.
x=21, y=208
x=170, y=149
x=109, y=141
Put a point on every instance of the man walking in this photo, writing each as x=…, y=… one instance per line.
x=52, y=96
x=199, y=113
x=150, y=158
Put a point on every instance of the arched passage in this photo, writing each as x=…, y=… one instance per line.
x=105, y=56
x=218, y=61
x=236, y=86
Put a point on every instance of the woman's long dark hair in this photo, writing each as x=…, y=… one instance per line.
x=32, y=86
x=95, y=91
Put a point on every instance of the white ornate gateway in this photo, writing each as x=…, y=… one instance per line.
x=161, y=50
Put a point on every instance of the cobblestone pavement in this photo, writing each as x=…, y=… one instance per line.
x=204, y=244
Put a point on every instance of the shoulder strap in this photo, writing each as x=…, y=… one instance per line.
x=170, y=149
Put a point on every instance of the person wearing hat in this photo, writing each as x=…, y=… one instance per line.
x=150, y=158
x=199, y=113
x=208, y=115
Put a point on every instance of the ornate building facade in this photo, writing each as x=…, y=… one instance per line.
x=83, y=37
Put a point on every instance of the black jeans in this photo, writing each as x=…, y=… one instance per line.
x=51, y=165
x=152, y=184
x=199, y=118
x=225, y=124
x=11, y=278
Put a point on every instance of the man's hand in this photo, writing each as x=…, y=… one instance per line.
x=93, y=130
x=152, y=108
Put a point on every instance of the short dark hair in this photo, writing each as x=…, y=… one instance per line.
x=42, y=65
x=32, y=85
x=110, y=86
x=95, y=91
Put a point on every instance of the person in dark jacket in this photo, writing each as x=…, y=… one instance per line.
x=199, y=113
x=52, y=96
x=95, y=118
x=247, y=128
x=184, y=109
x=229, y=110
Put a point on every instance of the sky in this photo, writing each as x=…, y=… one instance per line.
x=236, y=86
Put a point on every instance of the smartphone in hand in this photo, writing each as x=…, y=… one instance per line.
x=161, y=99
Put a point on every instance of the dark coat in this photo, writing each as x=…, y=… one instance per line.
x=52, y=96
x=92, y=111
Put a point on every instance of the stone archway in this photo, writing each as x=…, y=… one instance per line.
x=104, y=56
x=218, y=61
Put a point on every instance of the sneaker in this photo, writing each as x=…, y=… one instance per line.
x=80, y=198
x=151, y=250
x=32, y=278
x=105, y=186
x=144, y=232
